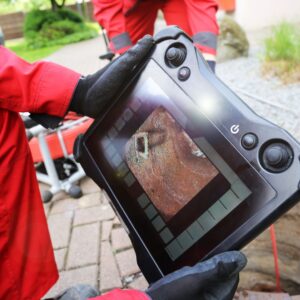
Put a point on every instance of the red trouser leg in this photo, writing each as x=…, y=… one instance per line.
x=203, y=24
x=27, y=266
x=140, y=21
x=175, y=13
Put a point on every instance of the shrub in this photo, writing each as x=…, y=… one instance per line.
x=35, y=20
x=284, y=44
x=49, y=28
x=59, y=29
x=69, y=15
x=282, y=53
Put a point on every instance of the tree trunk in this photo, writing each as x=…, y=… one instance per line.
x=55, y=5
x=260, y=274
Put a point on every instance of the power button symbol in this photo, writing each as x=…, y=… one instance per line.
x=235, y=128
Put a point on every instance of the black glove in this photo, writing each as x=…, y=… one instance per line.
x=95, y=91
x=214, y=279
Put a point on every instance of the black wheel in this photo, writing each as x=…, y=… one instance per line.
x=75, y=191
x=46, y=196
x=65, y=168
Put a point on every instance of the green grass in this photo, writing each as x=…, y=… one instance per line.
x=284, y=44
x=20, y=48
x=31, y=55
x=94, y=25
x=282, y=53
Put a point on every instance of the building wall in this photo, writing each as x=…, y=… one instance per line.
x=256, y=14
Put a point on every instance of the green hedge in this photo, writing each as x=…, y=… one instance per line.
x=45, y=28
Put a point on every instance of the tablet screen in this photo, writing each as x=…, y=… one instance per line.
x=168, y=165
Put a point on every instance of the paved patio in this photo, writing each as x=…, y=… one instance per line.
x=90, y=244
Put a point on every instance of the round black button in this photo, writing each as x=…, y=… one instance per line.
x=249, y=141
x=277, y=157
x=175, y=56
x=172, y=53
x=184, y=73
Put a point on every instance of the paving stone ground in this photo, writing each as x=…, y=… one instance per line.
x=89, y=243
x=267, y=96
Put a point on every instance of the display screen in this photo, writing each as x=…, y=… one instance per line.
x=167, y=163
x=180, y=182
x=183, y=186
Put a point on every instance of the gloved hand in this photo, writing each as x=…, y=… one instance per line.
x=95, y=91
x=213, y=279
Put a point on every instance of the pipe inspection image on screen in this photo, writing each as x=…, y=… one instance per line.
x=168, y=165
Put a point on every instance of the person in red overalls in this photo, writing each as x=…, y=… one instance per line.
x=27, y=265
x=126, y=21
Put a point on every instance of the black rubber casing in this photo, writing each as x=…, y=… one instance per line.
x=276, y=191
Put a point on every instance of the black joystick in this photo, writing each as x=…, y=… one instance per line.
x=277, y=157
x=175, y=56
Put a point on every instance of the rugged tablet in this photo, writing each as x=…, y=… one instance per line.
x=190, y=169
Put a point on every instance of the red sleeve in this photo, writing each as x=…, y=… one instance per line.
x=118, y=294
x=110, y=15
x=203, y=23
x=42, y=87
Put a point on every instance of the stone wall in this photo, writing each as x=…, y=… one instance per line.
x=258, y=14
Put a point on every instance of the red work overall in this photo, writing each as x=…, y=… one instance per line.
x=126, y=21
x=27, y=265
